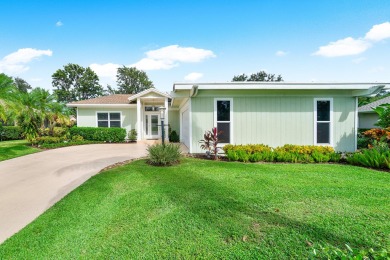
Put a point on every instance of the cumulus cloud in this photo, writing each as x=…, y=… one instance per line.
x=281, y=53
x=350, y=46
x=344, y=47
x=59, y=24
x=164, y=58
x=105, y=70
x=193, y=76
x=16, y=62
x=379, y=32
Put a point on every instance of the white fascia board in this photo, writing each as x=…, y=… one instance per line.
x=278, y=86
x=102, y=105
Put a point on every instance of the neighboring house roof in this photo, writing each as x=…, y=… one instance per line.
x=368, y=108
x=116, y=99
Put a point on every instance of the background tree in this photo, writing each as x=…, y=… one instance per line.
x=22, y=85
x=74, y=82
x=8, y=98
x=258, y=76
x=132, y=81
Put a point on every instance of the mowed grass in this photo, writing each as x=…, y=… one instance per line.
x=12, y=149
x=206, y=209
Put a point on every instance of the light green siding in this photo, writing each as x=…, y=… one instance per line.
x=87, y=116
x=368, y=120
x=275, y=120
x=174, y=120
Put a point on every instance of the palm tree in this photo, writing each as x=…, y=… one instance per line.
x=8, y=94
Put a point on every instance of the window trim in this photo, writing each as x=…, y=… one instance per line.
x=109, y=124
x=231, y=117
x=330, y=121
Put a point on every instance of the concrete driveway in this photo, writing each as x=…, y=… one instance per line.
x=31, y=184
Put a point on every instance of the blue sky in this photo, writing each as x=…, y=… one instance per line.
x=202, y=41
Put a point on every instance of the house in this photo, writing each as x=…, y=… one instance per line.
x=272, y=113
x=367, y=116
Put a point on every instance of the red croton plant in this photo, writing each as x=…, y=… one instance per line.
x=379, y=135
x=210, y=142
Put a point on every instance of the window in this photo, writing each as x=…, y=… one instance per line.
x=323, y=109
x=105, y=119
x=223, y=119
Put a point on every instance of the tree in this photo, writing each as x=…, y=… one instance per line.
x=383, y=112
x=259, y=76
x=76, y=83
x=8, y=98
x=132, y=80
x=22, y=85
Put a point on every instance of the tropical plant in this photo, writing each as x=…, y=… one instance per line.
x=210, y=142
x=8, y=98
x=383, y=112
x=164, y=155
x=132, y=135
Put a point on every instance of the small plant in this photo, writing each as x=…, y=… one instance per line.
x=174, y=137
x=77, y=138
x=132, y=135
x=210, y=142
x=164, y=155
x=330, y=252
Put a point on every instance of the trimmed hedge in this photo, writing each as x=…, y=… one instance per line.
x=10, y=133
x=100, y=134
x=287, y=153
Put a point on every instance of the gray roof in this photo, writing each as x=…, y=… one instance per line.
x=368, y=107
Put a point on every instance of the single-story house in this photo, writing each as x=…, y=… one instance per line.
x=367, y=116
x=272, y=113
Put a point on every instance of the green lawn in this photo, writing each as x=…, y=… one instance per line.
x=12, y=149
x=205, y=209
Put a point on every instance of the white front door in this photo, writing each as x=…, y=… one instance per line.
x=151, y=126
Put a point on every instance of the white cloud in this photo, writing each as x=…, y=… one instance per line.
x=16, y=62
x=164, y=58
x=154, y=64
x=59, y=24
x=377, y=69
x=193, y=76
x=344, y=47
x=379, y=32
x=105, y=70
x=281, y=53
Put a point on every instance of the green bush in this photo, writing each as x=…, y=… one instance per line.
x=10, y=133
x=330, y=252
x=373, y=158
x=60, y=131
x=174, y=137
x=46, y=140
x=164, y=155
x=77, y=138
x=100, y=134
x=287, y=153
x=132, y=135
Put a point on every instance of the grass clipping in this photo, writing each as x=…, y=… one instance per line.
x=164, y=154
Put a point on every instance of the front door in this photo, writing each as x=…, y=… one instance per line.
x=151, y=126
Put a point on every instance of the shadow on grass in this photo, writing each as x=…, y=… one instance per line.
x=15, y=151
x=229, y=211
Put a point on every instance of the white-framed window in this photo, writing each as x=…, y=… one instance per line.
x=108, y=119
x=223, y=119
x=323, y=121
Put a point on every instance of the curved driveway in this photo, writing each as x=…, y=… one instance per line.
x=31, y=184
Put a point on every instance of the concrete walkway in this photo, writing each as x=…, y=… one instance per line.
x=31, y=184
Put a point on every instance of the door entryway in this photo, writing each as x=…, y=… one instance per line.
x=151, y=126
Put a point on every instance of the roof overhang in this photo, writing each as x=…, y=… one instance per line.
x=102, y=105
x=148, y=91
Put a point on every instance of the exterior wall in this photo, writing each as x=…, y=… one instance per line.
x=88, y=117
x=174, y=120
x=275, y=120
x=368, y=120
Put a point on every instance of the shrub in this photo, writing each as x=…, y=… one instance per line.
x=60, y=131
x=174, y=137
x=10, y=133
x=330, y=252
x=164, y=155
x=210, y=142
x=45, y=140
x=373, y=158
x=132, y=135
x=77, y=138
x=100, y=134
x=249, y=148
